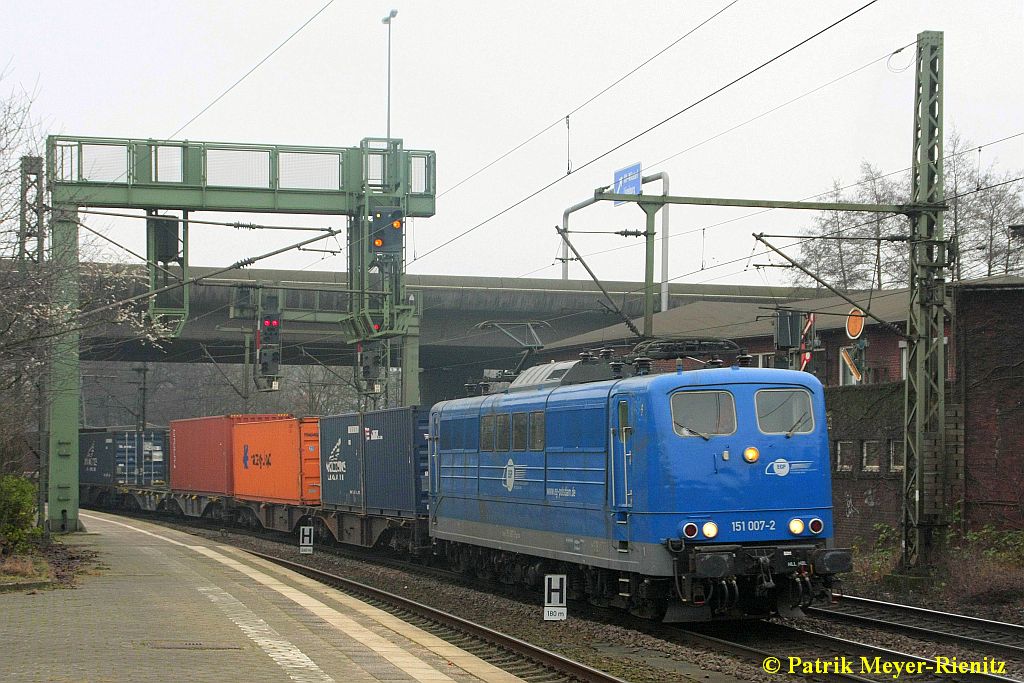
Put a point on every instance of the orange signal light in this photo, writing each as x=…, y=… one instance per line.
x=396, y=224
x=378, y=242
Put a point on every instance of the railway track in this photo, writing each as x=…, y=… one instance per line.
x=990, y=637
x=867, y=663
x=528, y=662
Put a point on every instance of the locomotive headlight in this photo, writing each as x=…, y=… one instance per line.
x=796, y=526
x=710, y=529
x=815, y=525
x=751, y=454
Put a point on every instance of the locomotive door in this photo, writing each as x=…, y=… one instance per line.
x=622, y=434
x=433, y=446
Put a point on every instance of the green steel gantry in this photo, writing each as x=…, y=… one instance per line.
x=185, y=176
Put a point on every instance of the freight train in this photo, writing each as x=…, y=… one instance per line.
x=685, y=496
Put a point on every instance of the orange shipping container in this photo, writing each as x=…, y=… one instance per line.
x=278, y=461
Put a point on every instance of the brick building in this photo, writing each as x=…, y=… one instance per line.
x=985, y=394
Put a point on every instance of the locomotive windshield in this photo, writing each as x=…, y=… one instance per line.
x=703, y=413
x=784, y=411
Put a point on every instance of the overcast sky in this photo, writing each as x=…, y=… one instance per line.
x=471, y=80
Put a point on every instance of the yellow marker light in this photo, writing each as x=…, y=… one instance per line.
x=710, y=529
x=751, y=454
x=378, y=242
x=796, y=526
x=396, y=224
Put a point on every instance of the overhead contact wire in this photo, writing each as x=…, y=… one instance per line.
x=622, y=144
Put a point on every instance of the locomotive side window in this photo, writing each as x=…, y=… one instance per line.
x=784, y=411
x=703, y=413
x=446, y=435
x=502, y=427
x=519, y=422
x=537, y=431
x=487, y=433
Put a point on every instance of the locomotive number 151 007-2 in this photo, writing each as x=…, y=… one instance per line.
x=754, y=525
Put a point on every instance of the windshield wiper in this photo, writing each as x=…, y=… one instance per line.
x=693, y=431
x=799, y=421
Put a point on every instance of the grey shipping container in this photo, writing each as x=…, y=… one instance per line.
x=96, y=462
x=375, y=462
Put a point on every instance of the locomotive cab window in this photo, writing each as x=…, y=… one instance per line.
x=784, y=411
x=703, y=413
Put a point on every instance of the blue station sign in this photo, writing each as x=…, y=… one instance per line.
x=628, y=181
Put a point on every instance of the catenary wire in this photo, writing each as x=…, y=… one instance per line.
x=647, y=130
x=565, y=117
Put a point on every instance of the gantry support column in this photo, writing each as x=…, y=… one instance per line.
x=65, y=381
x=411, y=364
x=925, y=495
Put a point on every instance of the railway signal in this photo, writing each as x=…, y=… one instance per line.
x=270, y=329
x=387, y=231
x=270, y=362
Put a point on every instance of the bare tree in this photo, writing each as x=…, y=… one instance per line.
x=31, y=317
x=982, y=207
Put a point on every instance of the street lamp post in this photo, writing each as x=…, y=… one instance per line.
x=387, y=20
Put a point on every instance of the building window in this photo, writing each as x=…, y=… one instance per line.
x=764, y=360
x=845, y=455
x=846, y=377
x=903, y=360
x=871, y=456
x=519, y=422
x=537, y=431
x=897, y=457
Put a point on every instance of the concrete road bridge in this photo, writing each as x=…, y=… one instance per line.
x=452, y=349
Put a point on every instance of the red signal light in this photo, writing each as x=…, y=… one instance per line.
x=376, y=327
x=275, y=323
x=266, y=322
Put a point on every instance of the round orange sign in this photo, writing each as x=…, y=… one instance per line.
x=855, y=323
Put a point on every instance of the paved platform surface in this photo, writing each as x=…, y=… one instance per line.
x=167, y=606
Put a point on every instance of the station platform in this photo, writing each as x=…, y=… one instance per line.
x=165, y=605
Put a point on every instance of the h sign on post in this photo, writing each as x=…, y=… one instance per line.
x=305, y=540
x=554, y=597
x=628, y=181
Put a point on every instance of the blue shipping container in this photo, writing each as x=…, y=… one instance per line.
x=375, y=462
x=341, y=462
x=96, y=457
x=148, y=470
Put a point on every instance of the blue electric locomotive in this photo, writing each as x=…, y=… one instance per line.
x=681, y=496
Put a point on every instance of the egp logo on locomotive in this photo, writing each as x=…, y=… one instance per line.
x=780, y=467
